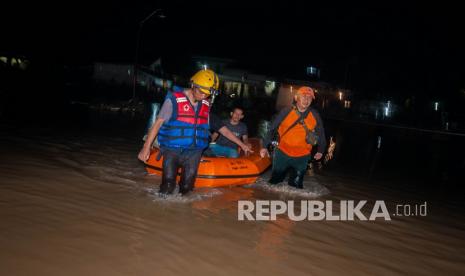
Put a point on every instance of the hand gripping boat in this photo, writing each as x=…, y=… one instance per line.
x=222, y=171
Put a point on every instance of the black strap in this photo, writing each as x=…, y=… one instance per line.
x=302, y=117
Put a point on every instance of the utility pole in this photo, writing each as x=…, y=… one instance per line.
x=159, y=13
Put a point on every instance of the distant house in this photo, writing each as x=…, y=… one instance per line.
x=14, y=61
x=241, y=83
x=325, y=93
x=235, y=82
x=216, y=64
x=121, y=74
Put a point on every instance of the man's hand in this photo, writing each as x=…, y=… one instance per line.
x=144, y=154
x=264, y=152
x=318, y=156
x=247, y=148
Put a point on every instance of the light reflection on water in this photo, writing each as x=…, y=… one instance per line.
x=80, y=203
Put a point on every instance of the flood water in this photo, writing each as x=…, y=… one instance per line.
x=76, y=201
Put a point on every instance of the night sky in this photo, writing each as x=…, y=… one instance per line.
x=412, y=48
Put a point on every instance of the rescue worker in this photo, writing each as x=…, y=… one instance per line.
x=183, y=132
x=299, y=128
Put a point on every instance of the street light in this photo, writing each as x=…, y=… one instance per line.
x=159, y=13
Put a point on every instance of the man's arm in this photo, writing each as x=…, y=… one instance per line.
x=216, y=124
x=245, y=138
x=153, y=132
x=215, y=136
x=274, y=126
x=228, y=134
x=320, y=131
x=164, y=115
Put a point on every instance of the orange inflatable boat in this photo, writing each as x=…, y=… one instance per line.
x=222, y=171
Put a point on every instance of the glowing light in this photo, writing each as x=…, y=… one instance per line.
x=269, y=87
x=312, y=71
x=387, y=109
x=436, y=106
x=205, y=66
x=24, y=64
x=340, y=96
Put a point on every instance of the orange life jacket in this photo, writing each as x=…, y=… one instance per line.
x=293, y=142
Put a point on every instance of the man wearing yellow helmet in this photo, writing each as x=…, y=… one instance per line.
x=206, y=81
x=183, y=131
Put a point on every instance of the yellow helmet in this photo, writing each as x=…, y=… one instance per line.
x=206, y=80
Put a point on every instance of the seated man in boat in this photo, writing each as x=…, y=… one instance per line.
x=182, y=128
x=222, y=146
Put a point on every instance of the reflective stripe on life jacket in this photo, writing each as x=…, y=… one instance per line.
x=293, y=142
x=187, y=127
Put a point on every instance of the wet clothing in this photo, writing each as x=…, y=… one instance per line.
x=187, y=127
x=296, y=166
x=182, y=137
x=294, y=149
x=188, y=161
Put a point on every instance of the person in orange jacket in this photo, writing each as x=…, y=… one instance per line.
x=299, y=128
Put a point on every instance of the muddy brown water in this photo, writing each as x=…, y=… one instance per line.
x=80, y=203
